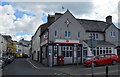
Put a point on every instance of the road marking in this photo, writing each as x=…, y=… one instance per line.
x=103, y=72
x=32, y=64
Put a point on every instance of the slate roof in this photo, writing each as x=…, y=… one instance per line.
x=101, y=43
x=93, y=25
x=44, y=27
x=88, y=25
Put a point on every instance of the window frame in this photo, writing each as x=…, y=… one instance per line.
x=113, y=34
x=78, y=34
x=55, y=33
x=67, y=34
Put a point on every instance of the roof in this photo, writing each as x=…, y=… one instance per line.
x=101, y=43
x=93, y=25
x=88, y=25
x=44, y=27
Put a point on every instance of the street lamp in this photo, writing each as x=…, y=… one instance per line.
x=91, y=44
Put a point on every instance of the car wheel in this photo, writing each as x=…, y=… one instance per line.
x=114, y=62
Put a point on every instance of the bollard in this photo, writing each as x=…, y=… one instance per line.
x=92, y=69
x=106, y=70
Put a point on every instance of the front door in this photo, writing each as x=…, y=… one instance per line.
x=55, y=54
x=79, y=54
x=67, y=54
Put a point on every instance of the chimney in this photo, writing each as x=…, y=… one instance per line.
x=58, y=15
x=109, y=19
x=51, y=18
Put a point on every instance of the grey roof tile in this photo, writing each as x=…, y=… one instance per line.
x=93, y=25
x=101, y=43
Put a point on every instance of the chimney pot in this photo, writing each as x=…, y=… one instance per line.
x=109, y=19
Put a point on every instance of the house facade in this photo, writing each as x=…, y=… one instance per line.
x=3, y=45
x=36, y=45
x=23, y=47
x=67, y=40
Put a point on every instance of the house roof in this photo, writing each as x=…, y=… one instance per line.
x=101, y=43
x=93, y=25
x=88, y=25
x=44, y=27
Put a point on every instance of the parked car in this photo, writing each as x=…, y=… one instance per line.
x=12, y=58
x=25, y=56
x=2, y=62
x=88, y=58
x=8, y=59
x=18, y=55
x=102, y=60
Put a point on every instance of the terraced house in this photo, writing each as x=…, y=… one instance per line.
x=67, y=40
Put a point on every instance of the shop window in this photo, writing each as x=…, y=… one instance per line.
x=110, y=51
x=100, y=51
x=70, y=47
x=106, y=51
x=67, y=47
x=97, y=52
x=67, y=53
x=94, y=51
x=70, y=53
x=63, y=53
x=103, y=51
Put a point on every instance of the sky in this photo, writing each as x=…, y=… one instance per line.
x=20, y=18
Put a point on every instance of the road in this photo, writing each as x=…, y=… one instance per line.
x=28, y=67
x=25, y=67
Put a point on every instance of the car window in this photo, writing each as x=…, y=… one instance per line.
x=107, y=55
x=97, y=57
x=112, y=54
x=102, y=56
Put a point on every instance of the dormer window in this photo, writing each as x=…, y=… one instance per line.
x=93, y=35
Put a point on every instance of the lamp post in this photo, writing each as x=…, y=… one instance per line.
x=92, y=68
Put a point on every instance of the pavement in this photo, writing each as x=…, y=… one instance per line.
x=80, y=70
x=29, y=67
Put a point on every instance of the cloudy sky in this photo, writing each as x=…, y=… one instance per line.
x=21, y=19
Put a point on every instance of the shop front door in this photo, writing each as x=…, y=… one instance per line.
x=67, y=54
x=55, y=55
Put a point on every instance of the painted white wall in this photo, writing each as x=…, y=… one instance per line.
x=3, y=45
x=23, y=49
x=36, y=44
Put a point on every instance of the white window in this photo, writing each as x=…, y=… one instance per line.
x=78, y=34
x=93, y=35
x=55, y=34
x=67, y=34
x=112, y=34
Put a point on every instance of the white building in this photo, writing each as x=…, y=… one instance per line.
x=36, y=45
x=65, y=39
x=3, y=45
x=23, y=47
